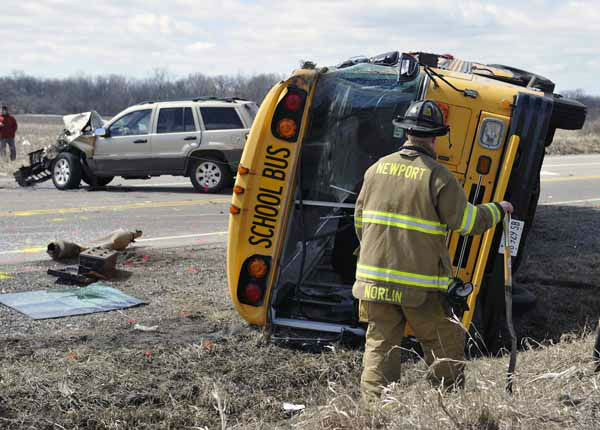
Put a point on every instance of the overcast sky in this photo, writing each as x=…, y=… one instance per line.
x=61, y=38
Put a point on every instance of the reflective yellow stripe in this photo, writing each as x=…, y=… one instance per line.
x=404, y=278
x=492, y=209
x=405, y=218
x=403, y=221
x=468, y=220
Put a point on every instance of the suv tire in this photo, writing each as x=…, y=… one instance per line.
x=209, y=174
x=101, y=181
x=66, y=171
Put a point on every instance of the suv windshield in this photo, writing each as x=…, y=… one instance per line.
x=350, y=128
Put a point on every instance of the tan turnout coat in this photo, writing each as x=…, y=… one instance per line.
x=406, y=206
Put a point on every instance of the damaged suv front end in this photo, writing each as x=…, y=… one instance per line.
x=77, y=138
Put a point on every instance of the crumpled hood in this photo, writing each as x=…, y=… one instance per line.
x=82, y=123
x=79, y=130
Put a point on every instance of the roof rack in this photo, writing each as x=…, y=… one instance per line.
x=220, y=99
x=197, y=99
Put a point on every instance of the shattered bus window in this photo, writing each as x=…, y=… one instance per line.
x=350, y=128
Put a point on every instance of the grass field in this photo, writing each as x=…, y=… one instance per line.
x=584, y=141
x=35, y=132
x=204, y=368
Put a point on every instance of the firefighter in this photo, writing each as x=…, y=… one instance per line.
x=406, y=206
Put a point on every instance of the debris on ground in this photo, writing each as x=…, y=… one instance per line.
x=118, y=240
x=141, y=327
x=63, y=250
x=291, y=407
x=57, y=303
x=69, y=276
x=98, y=262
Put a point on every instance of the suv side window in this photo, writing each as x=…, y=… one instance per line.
x=175, y=120
x=132, y=124
x=220, y=118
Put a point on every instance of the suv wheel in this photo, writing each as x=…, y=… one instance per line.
x=209, y=175
x=66, y=171
x=101, y=181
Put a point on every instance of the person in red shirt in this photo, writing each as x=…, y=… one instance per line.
x=8, y=129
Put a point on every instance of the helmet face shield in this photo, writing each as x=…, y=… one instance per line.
x=423, y=118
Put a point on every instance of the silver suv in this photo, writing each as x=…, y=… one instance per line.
x=201, y=138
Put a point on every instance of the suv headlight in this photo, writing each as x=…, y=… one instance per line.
x=492, y=131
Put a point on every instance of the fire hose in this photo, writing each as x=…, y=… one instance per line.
x=508, y=299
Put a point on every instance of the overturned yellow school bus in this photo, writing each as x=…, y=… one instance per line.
x=291, y=259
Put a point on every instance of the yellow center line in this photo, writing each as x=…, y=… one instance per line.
x=141, y=205
x=571, y=178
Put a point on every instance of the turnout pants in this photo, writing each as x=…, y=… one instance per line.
x=442, y=342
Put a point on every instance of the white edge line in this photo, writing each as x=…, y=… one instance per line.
x=153, y=239
x=185, y=236
x=571, y=165
x=570, y=201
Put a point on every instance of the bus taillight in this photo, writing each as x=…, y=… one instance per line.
x=288, y=115
x=253, y=293
x=253, y=280
x=293, y=102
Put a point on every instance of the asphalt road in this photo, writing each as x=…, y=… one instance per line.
x=166, y=209
x=170, y=213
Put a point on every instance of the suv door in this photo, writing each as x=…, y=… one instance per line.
x=223, y=131
x=127, y=146
x=177, y=133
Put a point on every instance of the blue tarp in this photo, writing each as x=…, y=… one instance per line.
x=57, y=303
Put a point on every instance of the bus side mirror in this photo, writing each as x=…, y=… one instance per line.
x=408, y=67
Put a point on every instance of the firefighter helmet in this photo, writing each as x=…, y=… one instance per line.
x=423, y=118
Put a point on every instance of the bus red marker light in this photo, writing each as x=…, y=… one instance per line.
x=293, y=102
x=234, y=210
x=243, y=170
x=253, y=292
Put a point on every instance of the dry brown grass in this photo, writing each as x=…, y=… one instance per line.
x=555, y=388
x=206, y=369
x=584, y=141
x=35, y=132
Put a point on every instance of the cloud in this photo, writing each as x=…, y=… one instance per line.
x=199, y=46
x=559, y=39
x=146, y=23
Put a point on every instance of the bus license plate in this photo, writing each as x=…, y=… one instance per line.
x=515, y=231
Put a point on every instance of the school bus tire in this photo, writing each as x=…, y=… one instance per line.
x=568, y=114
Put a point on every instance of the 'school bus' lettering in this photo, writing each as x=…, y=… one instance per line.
x=268, y=200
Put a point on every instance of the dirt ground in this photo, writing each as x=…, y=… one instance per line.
x=205, y=368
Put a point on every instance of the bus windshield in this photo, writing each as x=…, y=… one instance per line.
x=350, y=128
